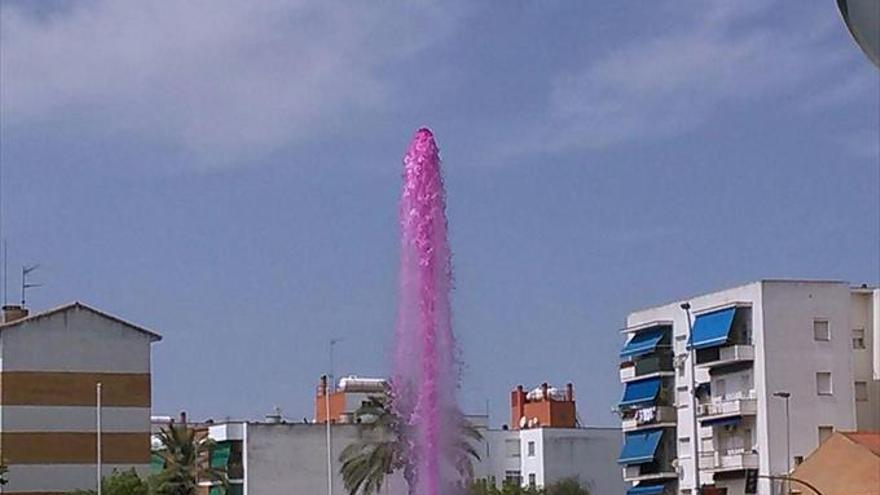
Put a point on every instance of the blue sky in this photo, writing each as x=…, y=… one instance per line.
x=227, y=174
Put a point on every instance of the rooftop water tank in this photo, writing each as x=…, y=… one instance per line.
x=365, y=385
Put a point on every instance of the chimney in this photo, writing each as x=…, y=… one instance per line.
x=14, y=312
x=183, y=418
x=517, y=406
x=545, y=395
x=569, y=392
x=322, y=388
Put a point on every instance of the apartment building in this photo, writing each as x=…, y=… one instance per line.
x=766, y=357
x=50, y=366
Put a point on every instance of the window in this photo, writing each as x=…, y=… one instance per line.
x=858, y=338
x=533, y=482
x=511, y=447
x=823, y=383
x=684, y=448
x=825, y=432
x=720, y=387
x=531, y=449
x=512, y=478
x=821, y=331
x=684, y=398
x=861, y=391
x=745, y=383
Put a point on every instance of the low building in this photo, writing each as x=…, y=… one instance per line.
x=279, y=458
x=545, y=444
x=845, y=464
x=50, y=366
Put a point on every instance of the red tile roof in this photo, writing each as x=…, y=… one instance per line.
x=868, y=439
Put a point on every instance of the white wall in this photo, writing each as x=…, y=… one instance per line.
x=77, y=340
x=792, y=357
x=863, y=313
x=588, y=454
x=284, y=459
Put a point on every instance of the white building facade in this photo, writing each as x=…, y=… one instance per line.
x=542, y=456
x=749, y=346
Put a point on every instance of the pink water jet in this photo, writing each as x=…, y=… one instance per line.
x=425, y=371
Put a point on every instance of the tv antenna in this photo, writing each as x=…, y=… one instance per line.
x=25, y=284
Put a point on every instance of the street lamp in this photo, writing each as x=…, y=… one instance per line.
x=695, y=440
x=329, y=381
x=786, y=396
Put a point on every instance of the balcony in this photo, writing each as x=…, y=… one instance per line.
x=648, y=472
x=649, y=417
x=647, y=367
x=744, y=406
x=728, y=460
x=713, y=357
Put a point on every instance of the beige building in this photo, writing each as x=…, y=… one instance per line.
x=50, y=366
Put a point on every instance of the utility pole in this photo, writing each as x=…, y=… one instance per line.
x=98, y=429
x=695, y=441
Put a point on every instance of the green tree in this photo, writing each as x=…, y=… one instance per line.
x=120, y=483
x=381, y=449
x=186, y=462
x=569, y=486
x=483, y=487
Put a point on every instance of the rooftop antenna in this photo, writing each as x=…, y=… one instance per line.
x=25, y=285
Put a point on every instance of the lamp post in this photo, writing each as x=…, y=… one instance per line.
x=98, y=434
x=695, y=441
x=786, y=396
x=328, y=383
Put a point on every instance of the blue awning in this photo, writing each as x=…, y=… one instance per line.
x=639, y=392
x=640, y=447
x=646, y=490
x=644, y=342
x=712, y=329
x=729, y=420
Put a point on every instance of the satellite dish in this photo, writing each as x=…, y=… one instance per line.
x=522, y=422
x=862, y=18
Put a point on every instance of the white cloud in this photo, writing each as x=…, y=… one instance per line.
x=724, y=53
x=221, y=80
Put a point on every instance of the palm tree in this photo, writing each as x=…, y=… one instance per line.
x=186, y=461
x=382, y=449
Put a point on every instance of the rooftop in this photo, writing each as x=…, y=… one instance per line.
x=79, y=306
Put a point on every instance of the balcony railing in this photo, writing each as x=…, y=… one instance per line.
x=720, y=356
x=740, y=406
x=648, y=417
x=728, y=460
x=644, y=366
x=652, y=471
